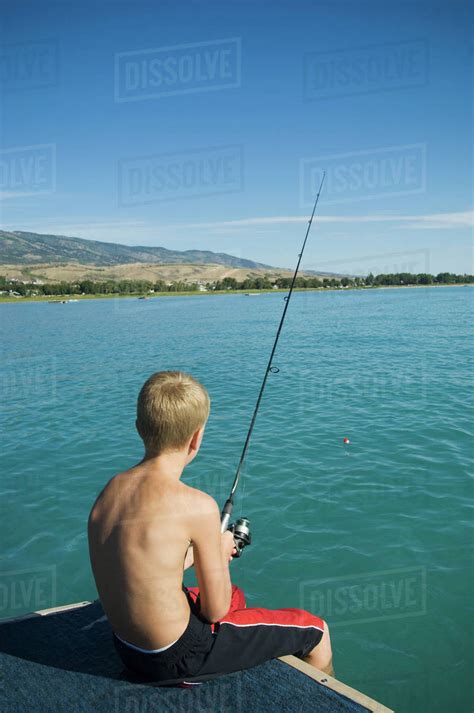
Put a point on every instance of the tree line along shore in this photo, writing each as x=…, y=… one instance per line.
x=13, y=288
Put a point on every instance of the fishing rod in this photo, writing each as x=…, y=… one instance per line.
x=241, y=528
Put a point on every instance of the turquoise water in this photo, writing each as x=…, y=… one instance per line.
x=375, y=536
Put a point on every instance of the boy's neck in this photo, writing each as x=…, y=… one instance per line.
x=169, y=464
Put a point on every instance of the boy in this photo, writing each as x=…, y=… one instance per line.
x=146, y=526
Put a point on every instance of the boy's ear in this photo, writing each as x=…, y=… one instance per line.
x=196, y=439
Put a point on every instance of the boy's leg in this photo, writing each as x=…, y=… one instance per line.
x=321, y=655
x=248, y=637
x=237, y=600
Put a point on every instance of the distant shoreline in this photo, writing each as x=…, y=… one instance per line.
x=66, y=298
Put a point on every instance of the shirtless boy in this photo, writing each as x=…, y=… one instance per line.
x=146, y=526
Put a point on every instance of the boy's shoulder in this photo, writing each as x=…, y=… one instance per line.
x=201, y=501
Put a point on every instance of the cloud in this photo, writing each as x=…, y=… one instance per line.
x=121, y=231
x=463, y=219
x=441, y=221
x=142, y=232
x=4, y=195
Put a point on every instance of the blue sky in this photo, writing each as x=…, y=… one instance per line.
x=206, y=125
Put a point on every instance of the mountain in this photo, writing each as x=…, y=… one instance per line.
x=22, y=248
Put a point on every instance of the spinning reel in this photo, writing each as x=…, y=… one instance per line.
x=241, y=531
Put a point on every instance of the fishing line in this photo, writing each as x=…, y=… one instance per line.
x=271, y=369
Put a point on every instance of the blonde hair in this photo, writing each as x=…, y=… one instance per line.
x=171, y=407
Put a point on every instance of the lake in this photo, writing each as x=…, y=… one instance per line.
x=375, y=535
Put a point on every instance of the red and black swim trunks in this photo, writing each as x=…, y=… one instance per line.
x=241, y=639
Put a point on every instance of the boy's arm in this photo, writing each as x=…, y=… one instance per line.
x=189, y=558
x=212, y=552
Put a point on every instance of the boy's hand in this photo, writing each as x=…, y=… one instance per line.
x=228, y=545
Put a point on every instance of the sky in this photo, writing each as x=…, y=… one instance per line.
x=208, y=125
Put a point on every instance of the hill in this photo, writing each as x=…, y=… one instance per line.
x=22, y=248
x=48, y=273
x=28, y=257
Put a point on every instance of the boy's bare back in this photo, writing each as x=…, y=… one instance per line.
x=140, y=529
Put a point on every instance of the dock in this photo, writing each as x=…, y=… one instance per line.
x=63, y=659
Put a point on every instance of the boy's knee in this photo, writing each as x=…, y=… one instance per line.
x=237, y=598
x=321, y=655
x=323, y=648
x=326, y=631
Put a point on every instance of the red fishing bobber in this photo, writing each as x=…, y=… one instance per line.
x=346, y=441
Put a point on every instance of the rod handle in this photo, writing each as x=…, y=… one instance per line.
x=225, y=514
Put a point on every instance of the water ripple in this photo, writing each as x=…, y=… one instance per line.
x=390, y=512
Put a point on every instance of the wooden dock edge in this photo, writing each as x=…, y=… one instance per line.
x=44, y=612
x=335, y=685
x=314, y=673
